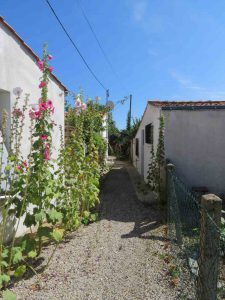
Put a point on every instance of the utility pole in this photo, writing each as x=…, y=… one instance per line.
x=107, y=125
x=130, y=104
x=130, y=111
x=107, y=96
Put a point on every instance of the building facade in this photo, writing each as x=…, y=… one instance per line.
x=194, y=141
x=19, y=70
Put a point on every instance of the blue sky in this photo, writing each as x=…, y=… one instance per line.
x=161, y=49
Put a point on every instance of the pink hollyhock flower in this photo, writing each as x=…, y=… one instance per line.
x=44, y=137
x=19, y=168
x=84, y=106
x=37, y=115
x=78, y=102
x=51, y=69
x=46, y=152
x=34, y=114
x=25, y=164
x=42, y=84
x=41, y=65
x=50, y=106
x=50, y=57
x=43, y=106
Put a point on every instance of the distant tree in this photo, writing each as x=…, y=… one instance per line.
x=128, y=128
x=112, y=129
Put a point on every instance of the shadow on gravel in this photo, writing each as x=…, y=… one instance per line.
x=119, y=203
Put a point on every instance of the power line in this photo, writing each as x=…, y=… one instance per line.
x=97, y=40
x=75, y=46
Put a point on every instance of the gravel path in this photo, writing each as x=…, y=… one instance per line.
x=114, y=259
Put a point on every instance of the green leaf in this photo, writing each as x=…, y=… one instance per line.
x=28, y=244
x=11, y=158
x=94, y=217
x=8, y=295
x=20, y=271
x=48, y=191
x=44, y=231
x=86, y=214
x=17, y=255
x=32, y=254
x=8, y=168
x=4, y=278
x=57, y=235
x=4, y=263
x=29, y=220
x=40, y=216
x=55, y=216
x=5, y=253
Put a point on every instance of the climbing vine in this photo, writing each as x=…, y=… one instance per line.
x=157, y=159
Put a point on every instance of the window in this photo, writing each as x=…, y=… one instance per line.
x=137, y=147
x=149, y=134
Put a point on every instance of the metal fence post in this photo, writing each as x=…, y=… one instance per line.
x=173, y=204
x=162, y=184
x=211, y=206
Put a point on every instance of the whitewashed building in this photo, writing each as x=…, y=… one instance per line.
x=19, y=68
x=194, y=141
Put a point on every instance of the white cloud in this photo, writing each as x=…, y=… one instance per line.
x=210, y=94
x=185, y=81
x=139, y=10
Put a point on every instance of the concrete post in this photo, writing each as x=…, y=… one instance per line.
x=162, y=184
x=211, y=206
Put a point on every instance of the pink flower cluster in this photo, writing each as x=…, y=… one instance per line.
x=22, y=166
x=17, y=112
x=42, y=84
x=42, y=65
x=46, y=152
x=43, y=106
x=80, y=106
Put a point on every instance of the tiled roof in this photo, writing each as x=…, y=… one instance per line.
x=187, y=104
x=28, y=48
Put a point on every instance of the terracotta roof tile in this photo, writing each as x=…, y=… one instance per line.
x=186, y=104
x=28, y=48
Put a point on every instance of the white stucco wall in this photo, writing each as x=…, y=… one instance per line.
x=19, y=69
x=151, y=115
x=195, y=143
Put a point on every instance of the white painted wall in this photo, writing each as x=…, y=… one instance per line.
x=151, y=115
x=195, y=143
x=105, y=132
x=19, y=69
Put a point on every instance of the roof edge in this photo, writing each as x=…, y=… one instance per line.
x=179, y=105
